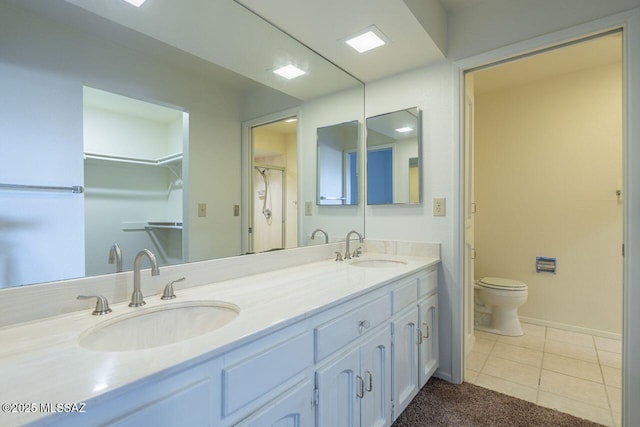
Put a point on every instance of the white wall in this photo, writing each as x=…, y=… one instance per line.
x=497, y=23
x=41, y=233
x=431, y=90
x=320, y=112
x=60, y=61
x=548, y=164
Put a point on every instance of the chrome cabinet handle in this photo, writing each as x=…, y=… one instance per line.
x=426, y=328
x=360, y=387
x=362, y=325
x=419, y=336
x=102, y=305
x=368, y=375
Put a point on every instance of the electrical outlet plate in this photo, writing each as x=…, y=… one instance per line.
x=308, y=208
x=439, y=207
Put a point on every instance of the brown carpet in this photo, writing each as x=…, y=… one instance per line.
x=440, y=403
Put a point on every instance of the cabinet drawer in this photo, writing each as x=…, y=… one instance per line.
x=261, y=372
x=405, y=294
x=339, y=332
x=428, y=283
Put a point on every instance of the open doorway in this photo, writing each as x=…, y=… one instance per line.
x=274, y=187
x=543, y=180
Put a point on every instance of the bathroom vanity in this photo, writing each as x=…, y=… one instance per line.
x=322, y=343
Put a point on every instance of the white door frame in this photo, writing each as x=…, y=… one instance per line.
x=630, y=24
x=247, y=167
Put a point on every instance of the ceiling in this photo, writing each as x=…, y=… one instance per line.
x=574, y=57
x=318, y=24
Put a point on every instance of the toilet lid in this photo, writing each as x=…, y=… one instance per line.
x=500, y=283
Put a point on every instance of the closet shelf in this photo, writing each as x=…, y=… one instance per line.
x=169, y=161
x=151, y=225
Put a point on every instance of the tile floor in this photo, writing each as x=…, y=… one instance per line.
x=572, y=372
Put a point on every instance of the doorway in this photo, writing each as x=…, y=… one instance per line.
x=543, y=177
x=274, y=188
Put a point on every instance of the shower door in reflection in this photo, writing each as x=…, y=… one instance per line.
x=268, y=208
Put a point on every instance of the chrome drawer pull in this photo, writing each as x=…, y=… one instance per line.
x=370, y=382
x=360, y=387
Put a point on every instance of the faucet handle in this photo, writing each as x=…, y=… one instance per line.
x=357, y=252
x=338, y=256
x=168, y=290
x=102, y=305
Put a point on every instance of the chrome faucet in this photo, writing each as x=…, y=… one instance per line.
x=347, y=254
x=137, y=299
x=319, y=230
x=115, y=256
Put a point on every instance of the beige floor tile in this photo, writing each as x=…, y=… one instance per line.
x=527, y=341
x=615, y=401
x=587, y=354
x=574, y=407
x=534, y=330
x=475, y=361
x=518, y=354
x=608, y=344
x=570, y=337
x=612, y=376
x=487, y=336
x=507, y=387
x=470, y=376
x=512, y=371
x=483, y=346
x=574, y=367
x=608, y=358
x=574, y=388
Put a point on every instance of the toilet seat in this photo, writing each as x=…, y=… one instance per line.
x=502, y=284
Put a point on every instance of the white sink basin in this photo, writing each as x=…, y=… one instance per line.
x=377, y=263
x=157, y=326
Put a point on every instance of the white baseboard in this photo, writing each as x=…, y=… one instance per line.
x=445, y=376
x=572, y=328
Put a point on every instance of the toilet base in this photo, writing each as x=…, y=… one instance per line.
x=509, y=333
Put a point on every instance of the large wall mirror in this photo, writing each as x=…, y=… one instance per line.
x=141, y=109
x=337, y=168
x=394, y=158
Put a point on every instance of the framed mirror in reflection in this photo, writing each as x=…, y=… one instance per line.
x=394, y=158
x=181, y=196
x=338, y=164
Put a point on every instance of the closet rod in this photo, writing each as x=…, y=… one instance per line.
x=73, y=189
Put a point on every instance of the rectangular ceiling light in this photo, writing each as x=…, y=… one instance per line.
x=136, y=3
x=404, y=129
x=366, y=41
x=289, y=72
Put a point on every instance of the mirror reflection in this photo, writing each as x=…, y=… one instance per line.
x=394, y=162
x=184, y=197
x=338, y=164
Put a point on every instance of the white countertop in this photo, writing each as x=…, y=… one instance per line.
x=42, y=362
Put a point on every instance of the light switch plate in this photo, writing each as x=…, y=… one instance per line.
x=236, y=210
x=308, y=208
x=202, y=210
x=439, y=206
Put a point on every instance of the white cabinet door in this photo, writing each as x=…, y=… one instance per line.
x=375, y=370
x=405, y=359
x=428, y=354
x=292, y=409
x=340, y=389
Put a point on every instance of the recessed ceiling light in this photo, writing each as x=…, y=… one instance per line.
x=404, y=129
x=136, y=3
x=289, y=72
x=371, y=38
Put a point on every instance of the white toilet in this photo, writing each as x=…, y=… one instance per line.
x=496, y=305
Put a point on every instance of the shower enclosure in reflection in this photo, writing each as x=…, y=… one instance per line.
x=274, y=195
